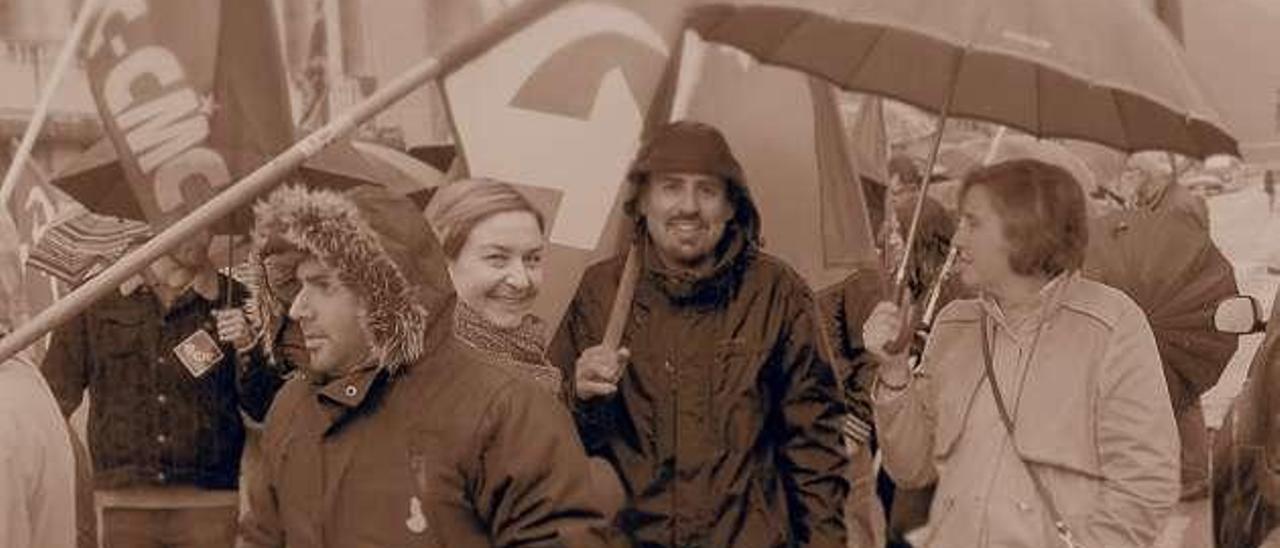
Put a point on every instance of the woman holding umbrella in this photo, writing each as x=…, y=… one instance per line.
x=1041, y=410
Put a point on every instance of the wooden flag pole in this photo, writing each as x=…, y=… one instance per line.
x=271, y=173
x=622, y=300
x=683, y=70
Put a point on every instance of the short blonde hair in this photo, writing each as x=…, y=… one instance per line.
x=457, y=207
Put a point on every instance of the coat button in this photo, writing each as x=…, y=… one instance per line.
x=162, y=399
x=161, y=477
x=1023, y=506
x=162, y=439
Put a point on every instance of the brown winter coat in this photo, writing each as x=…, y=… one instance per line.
x=427, y=445
x=467, y=445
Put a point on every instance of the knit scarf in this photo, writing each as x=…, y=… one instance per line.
x=520, y=347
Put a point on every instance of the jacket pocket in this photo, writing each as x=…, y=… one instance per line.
x=737, y=400
x=120, y=335
x=1061, y=437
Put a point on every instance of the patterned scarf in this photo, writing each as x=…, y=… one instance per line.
x=520, y=348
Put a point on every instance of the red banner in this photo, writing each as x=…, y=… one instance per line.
x=192, y=96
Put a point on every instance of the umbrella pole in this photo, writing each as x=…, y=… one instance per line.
x=900, y=292
x=268, y=175
x=901, y=276
x=900, y=289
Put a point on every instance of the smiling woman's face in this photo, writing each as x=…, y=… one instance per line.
x=498, y=271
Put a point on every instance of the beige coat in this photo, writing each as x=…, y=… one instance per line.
x=1091, y=413
x=37, y=466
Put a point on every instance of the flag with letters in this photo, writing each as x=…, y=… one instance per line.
x=192, y=95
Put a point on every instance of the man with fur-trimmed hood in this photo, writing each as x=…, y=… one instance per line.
x=394, y=434
x=718, y=412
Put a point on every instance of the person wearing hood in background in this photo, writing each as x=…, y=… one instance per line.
x=718, y=410
x=395, y=433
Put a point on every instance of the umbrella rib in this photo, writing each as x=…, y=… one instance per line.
x=1127, y=145
x=856, y=67
x=772, y=53
x=1038, y=97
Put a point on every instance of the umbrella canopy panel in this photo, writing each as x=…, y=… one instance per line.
x=1165, y=261
x=961, y=158
x=1096, y=70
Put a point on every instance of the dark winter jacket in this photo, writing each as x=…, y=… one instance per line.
x=724, y=429
x=152, y=422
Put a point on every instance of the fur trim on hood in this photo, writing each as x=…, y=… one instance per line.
x=381, y=248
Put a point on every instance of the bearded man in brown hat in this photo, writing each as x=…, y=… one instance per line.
x=718, y=411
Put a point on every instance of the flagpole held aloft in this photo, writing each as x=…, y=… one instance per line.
x=268, y=175
x=46, y=97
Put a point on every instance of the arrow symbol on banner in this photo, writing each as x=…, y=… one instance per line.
x=561, y=106
x=569, y=81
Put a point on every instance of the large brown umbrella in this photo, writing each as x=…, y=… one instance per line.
x=1096, y=70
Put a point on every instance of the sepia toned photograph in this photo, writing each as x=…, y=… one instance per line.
x=639, y=273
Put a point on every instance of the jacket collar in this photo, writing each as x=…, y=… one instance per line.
x=377, y=241
x=343, y=396
x=350, y=390
x=204, y=284
x=711, y=289
x=1049, y=298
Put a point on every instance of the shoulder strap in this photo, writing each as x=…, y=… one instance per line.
x=1059, y=524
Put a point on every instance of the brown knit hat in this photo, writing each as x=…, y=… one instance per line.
x=689, y=147
x=695, y=147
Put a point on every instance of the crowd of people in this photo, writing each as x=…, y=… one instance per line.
x=384, y=382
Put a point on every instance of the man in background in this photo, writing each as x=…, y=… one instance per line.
x=170, y=364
